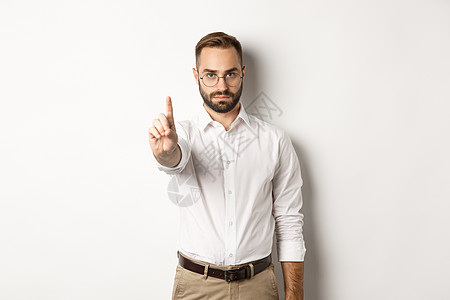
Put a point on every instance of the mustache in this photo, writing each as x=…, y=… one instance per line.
x=224, y=93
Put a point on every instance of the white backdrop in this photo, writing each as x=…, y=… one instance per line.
x=363, y=91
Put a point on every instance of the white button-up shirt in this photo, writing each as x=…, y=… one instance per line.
x=235, y=189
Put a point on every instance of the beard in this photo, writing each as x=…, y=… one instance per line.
x=221, y=106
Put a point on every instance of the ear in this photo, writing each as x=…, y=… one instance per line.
x=194, y=71
x=243, y=72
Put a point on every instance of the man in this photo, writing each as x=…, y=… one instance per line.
x=249, y=183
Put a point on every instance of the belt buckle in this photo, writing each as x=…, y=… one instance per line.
x=231, y=275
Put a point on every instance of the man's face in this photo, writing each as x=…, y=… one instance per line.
x=221, y=98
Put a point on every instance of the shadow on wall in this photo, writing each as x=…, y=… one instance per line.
x=312, y=284
x=251, y=80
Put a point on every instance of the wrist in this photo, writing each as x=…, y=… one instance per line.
x=170, y=159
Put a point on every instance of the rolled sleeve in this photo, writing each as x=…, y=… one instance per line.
x=287, y=202
x=183, y=142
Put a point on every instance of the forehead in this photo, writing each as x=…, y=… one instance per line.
x=218, y=59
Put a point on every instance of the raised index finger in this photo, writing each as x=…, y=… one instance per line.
x=169, y=109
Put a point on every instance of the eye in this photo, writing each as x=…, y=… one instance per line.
x=210, y=75
x=231, y=75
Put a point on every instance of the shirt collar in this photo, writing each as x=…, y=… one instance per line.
x=204, y=118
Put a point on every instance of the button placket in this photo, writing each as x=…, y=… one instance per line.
x=230, y=204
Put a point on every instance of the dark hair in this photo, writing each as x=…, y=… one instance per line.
x=217, y=40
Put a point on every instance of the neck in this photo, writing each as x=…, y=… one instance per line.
x=224, y=118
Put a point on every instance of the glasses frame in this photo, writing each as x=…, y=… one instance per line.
x=218, y=79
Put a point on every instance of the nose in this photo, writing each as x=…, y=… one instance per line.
x=222, y=85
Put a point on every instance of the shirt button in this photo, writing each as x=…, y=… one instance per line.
x=228, y=162
x=229, y=192
x=231, y=223
x=231, y=255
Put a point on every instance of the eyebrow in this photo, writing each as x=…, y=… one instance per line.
x=215, y=71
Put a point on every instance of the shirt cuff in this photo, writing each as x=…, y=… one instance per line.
x=291, y=250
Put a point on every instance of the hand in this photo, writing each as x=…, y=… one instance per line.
x=163, y=137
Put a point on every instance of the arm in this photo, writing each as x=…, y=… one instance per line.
x=293, y=279
x=287, y=196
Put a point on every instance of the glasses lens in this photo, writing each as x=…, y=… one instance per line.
x=210, y=79
x=232, y=79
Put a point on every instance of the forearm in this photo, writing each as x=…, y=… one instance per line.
x=293, y=279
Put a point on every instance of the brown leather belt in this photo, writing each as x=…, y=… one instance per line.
x=228, y=275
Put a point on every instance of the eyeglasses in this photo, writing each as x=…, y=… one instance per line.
x=211, y=79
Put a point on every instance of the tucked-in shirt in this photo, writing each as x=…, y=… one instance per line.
x=234, y=189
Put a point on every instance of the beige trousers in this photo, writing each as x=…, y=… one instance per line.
x=189, y=285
